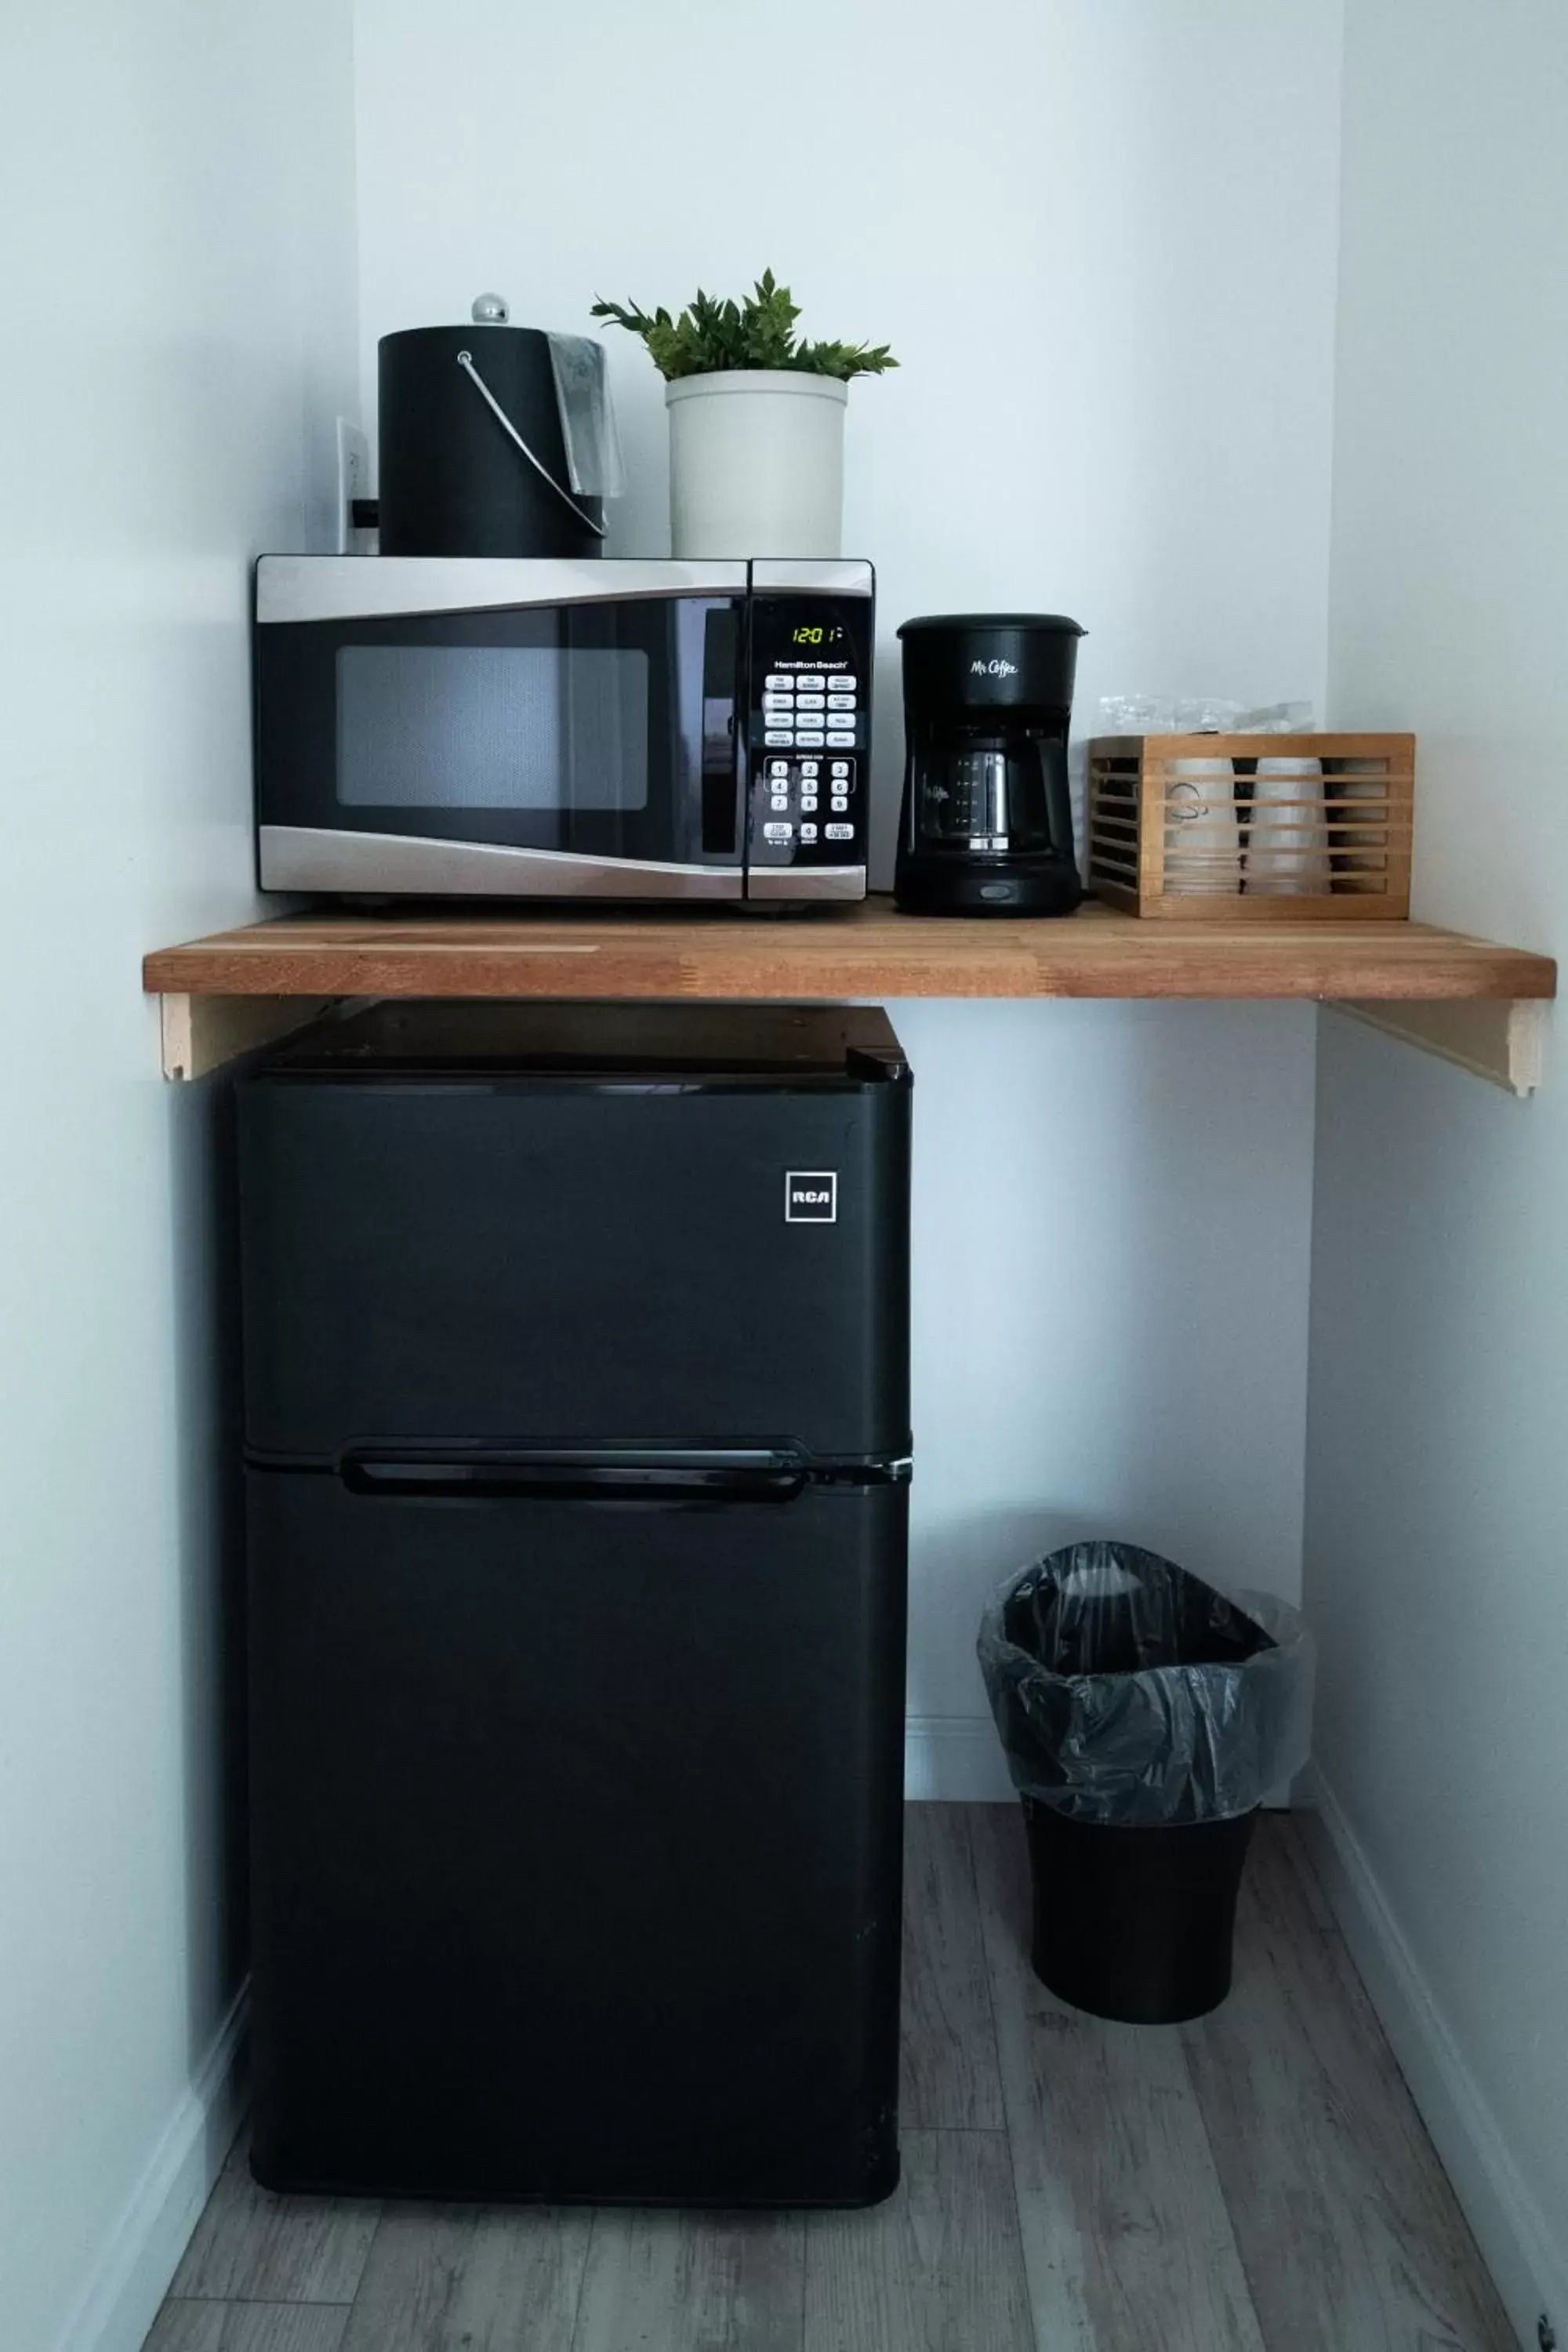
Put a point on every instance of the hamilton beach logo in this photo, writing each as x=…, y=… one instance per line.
x=995, y=668
x=811, y=1196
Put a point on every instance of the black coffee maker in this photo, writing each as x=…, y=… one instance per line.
x=988, y=823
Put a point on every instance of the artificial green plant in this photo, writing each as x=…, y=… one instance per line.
x=757, y=332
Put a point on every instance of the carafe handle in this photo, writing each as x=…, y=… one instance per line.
x=1053, y=753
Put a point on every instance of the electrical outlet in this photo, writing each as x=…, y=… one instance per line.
x=353, y=482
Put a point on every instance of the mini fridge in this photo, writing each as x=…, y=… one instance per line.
x=577, y=1458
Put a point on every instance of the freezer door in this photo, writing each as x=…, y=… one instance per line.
x=460, y=1261
x=576, y=1841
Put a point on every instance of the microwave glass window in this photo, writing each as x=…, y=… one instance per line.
x=492, y=727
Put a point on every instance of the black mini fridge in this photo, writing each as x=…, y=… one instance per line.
x=577, y=1459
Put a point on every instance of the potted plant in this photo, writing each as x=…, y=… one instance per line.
x=756, y=422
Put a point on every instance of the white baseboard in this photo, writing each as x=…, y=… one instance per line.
x=1526, y=2259
x=131, y=2275
x=954, y=1756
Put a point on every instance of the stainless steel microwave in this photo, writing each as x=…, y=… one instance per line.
x=524, y=727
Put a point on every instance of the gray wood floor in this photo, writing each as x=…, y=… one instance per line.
x=1257, y=2182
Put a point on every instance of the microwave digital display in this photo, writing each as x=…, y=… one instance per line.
x=492, y=727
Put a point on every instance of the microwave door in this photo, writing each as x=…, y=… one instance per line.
x=584, y=748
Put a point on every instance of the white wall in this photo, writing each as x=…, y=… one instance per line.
x=1111, y=1223
x=176, y=191
x=1437, y=1519
x=1110, y=281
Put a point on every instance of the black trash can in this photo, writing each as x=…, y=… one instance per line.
x=1136, y=1923
x=1144, y=1716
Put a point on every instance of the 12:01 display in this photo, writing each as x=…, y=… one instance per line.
x=816, y=633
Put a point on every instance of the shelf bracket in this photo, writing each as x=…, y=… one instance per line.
x=1497, y=1038
x=200, y=1034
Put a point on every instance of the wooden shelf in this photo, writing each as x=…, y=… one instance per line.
x=210, y=985
x=868, y=950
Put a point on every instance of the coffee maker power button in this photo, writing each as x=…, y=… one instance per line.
x=998, y=889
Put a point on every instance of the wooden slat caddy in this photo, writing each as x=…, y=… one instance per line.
x=1146, y=794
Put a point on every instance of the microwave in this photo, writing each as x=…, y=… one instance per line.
x=525, y=728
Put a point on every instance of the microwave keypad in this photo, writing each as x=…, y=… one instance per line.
x=808, y=733
x=808, y=772
x=807, y=797
x=810, y=710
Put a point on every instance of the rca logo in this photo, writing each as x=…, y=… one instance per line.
x=811, y=1196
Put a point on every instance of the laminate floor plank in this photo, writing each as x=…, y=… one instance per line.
x=1348, y=2226
x=938, y=2268
x=469, y=2278
x=664, y=2282
x=1127, y=2240
x=949, y=2076
x=250, y=2246
x=1258, y=2181
x=207, y=2326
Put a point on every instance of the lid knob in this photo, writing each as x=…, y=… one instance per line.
x=490, y=310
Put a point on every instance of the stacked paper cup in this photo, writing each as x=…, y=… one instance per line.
x=1288, y=838
x=1202, y=839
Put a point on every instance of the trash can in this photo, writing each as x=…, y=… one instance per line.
x=1144, y=1716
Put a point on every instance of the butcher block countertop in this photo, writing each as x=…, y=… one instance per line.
x=1469, y=1000
x=869, y=950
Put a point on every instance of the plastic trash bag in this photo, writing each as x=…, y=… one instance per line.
x=1128, y=1692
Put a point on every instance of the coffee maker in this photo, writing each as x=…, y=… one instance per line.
x=986, y=827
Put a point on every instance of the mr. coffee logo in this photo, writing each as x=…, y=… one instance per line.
x=811, y=1196
x=996, y=667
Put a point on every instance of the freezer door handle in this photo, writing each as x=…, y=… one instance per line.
x=566, y=1478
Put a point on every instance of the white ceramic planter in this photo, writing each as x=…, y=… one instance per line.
x=756, y=463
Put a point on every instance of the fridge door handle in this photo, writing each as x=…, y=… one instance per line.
x=568, y=1479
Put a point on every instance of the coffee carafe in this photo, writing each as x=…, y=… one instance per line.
x=986, y=827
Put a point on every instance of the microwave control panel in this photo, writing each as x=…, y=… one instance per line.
x=809, y=732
